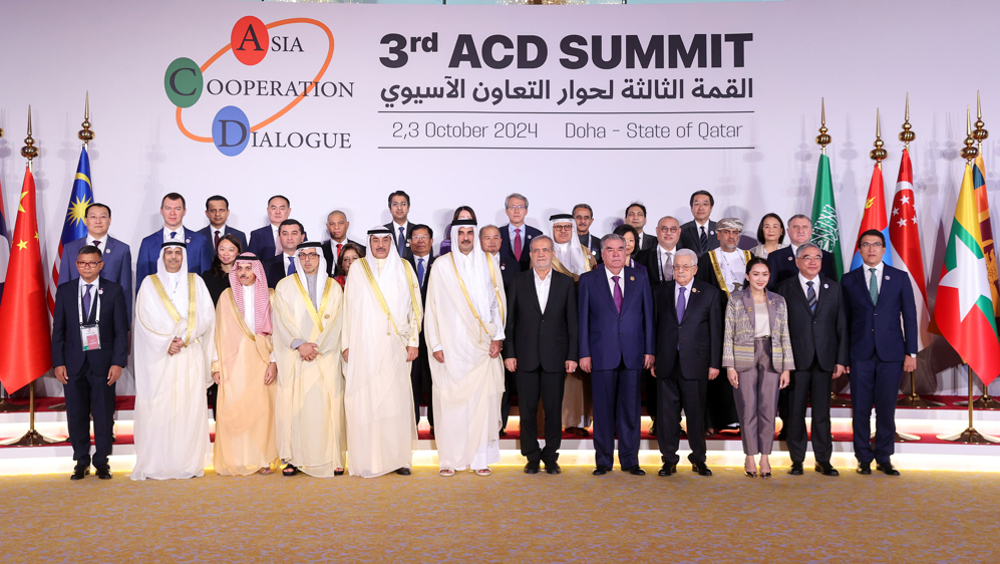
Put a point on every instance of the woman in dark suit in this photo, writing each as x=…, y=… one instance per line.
x=757, y=353
x=631, y=236
x=217, y=277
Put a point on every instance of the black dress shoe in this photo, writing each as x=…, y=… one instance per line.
x=79, y=472
x=864, y=468
x=104, y=472
x=700, y=468
x=667, y=470
x=403, y=471
x=552, y=468
x=826, y=469
x=887, y=469
x=338, y=472
x=503, y=432
x=601, y=470
x=635, y=471
x=531, y=468
x=796, y=469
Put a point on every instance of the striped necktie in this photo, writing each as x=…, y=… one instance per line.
x=811, y=297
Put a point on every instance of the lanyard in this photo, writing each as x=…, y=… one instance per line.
x=97, y=304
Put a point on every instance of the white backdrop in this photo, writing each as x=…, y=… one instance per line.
x=858, y=54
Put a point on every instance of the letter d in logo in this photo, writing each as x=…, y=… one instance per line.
x=231, y=131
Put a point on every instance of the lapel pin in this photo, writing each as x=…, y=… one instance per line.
x=826, y=285
x=632, y=278
x=790, y=258
x=886, y=277
x=694, y=290
x=328, y=316
x=188, y=240
x=711, y=232
x=100, y=291
x=502, y=267
x=107, y=250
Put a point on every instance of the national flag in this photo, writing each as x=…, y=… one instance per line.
x=4, y=244
x=964, y=308
x=904, y=236
x=826, y=224
x=26, y=346
x=874, y=218
x=81, y=196
x=986, y=226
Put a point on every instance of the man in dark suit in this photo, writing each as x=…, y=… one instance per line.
x=699, y=233
x=490, y=240
x=541, y=348
x=515, y=237
x=817, y=323
x=89, y=349
x=616, y=344
x=217, y=211
x=635, y=215
x=264, y=241
x=402, y=229
x=583, y=214
x=422, y=246
x=117, y=256
x=173, y=208
x=878, y=296
x=336, y=226
x=291, y=234
x=689, y=331
x=782, y=262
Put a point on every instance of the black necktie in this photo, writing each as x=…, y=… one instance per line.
x=703, y=239
x=811, y=297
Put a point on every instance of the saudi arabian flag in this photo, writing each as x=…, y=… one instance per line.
x=826, y=224
x=964, y=309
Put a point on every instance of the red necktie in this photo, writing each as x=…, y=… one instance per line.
x=216, y=238
x=339, y=245
x=517, y=244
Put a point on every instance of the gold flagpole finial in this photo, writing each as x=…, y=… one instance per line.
x=85, y=134
x=907, y=136
x=29, y=151
x=969, y=152
x=878, y=154
x=979, y=133
x=822, y=139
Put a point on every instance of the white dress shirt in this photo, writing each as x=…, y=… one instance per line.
x=178, y=237
x=805, y=287
x=84, y=291
x=285, y=261
x=510, y=232
x=621, y=282
x=542, y=288
x=103, y=241
x=879, y=268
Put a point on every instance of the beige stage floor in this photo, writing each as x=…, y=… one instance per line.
x=922, y=516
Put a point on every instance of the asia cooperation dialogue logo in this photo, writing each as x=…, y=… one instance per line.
x=250, y=42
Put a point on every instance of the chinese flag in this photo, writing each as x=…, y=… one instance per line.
x=26, y=345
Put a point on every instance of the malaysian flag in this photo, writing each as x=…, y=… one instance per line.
x=74, y=228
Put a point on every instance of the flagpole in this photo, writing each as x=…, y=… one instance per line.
x=970, y=435
x=823, y=139
x=32, y=437
x=912, y=399
x=7, y=406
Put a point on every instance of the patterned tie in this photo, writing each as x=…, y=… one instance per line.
x=217, y=237
x=681, y=305
x=618, y=293
x=86, y=302
x=873, y=286
x=703, y=239
x=277, y=244
x=291, y=267
x=402, y=241
x=668, y=268
x=173, y=234
x=420, y=271
x=517, y=243
x=811, y=297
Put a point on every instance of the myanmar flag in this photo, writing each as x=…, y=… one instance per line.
x=964, y=309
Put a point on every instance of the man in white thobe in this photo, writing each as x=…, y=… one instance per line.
x=380, y=339
x=464, y=330
x=571, y=258
x=174, y=329
x=309, y=411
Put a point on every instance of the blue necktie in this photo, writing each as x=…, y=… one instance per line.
x=173, y=234
x=402, y=241
x=86, y=302
x=420, y=271
x=811, y=297
x=681, y=305
x=291, y=267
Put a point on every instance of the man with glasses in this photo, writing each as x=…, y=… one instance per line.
x=878, y=297
x=337, y=226
x=400, y=226
x=583, y=214
x=89, y=349
x=515, y=237
x=783, y=263
x=422, y=246
x=817, y=323
x=116, y=255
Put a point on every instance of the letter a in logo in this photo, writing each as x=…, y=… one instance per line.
x=249, y=40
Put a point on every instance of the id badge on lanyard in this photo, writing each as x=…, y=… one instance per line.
x=90, y=335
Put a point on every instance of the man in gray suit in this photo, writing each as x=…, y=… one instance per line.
x=117, y=256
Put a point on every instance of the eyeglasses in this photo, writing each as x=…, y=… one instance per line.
x=310, y=256
x=91, y=264
x=398, y=205
x=670, y=229
x=517, y=208
x=684, y=267
x=875, y=245
x=811, y=258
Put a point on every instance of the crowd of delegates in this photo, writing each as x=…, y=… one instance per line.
x=310, y=351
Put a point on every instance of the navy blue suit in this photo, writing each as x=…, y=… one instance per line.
x=117, y=257
x=87, y=390
x=261, y=242
x=878, y=347
x=616, y=342
x=200, y=254
x=507, y=246
x=209, y=233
